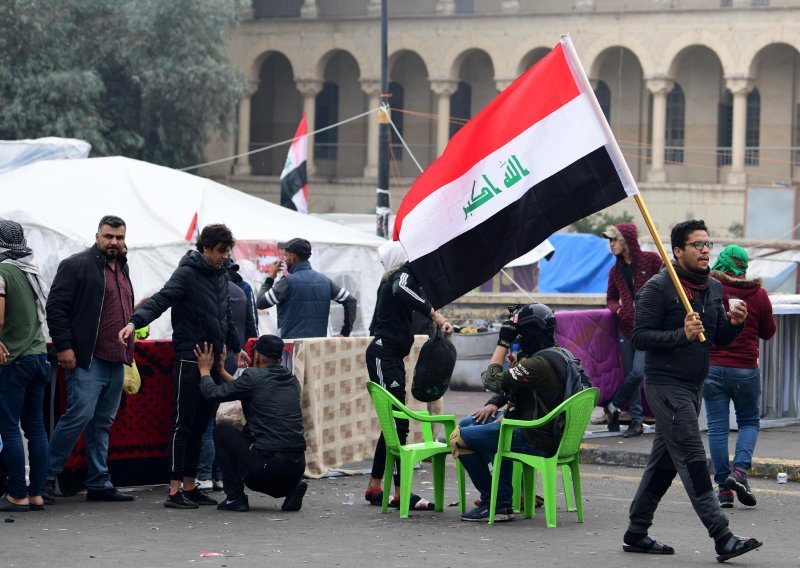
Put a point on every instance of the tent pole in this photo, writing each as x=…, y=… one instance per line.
x=383, y=200
x=514, y=282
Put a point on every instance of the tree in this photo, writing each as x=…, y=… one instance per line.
x=148, y=79
x=597, y=223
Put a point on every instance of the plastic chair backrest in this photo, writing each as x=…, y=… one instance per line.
x=578, y=410
x=385, y=403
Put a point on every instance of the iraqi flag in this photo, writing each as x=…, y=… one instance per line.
x=294, y=191
x=539, y=157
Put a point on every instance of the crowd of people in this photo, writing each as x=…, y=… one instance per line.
x=90, y=314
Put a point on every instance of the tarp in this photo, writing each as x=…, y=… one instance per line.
x=17, y=153
x=60, y=202
x=581, y=265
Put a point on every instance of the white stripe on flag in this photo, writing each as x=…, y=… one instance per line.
x=547, y=147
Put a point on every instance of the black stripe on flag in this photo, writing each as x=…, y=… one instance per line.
x=582, y=188
x=291, y=183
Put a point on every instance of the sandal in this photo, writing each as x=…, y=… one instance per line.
x=416, y=503
x=737, y=546
x=374, y=496
x=649, y=546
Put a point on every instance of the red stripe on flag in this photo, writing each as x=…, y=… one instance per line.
x=542, y=89
x=192, y=228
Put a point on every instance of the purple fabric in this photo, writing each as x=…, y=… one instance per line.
x=591, y=335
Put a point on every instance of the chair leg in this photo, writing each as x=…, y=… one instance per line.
x=566, y=477
x=462, y=489
x=549, y=478
x=438, y=481
x=498, y=460
x=406, y=476
x=576, y=486
x=388, y=482
x=529, y=481
x=516, y=485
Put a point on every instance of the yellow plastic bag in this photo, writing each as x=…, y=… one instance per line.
x=132, y=381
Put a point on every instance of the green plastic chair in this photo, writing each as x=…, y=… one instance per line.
x=577, y=410
x=387, y=407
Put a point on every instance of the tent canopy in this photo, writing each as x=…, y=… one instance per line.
x=60, y=202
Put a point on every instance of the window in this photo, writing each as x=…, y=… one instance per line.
x=724, y=129
x=753, y=128
x=460, y=107
x=397, y=102
x=327, y=113
x=603, y=94
x=675, y=131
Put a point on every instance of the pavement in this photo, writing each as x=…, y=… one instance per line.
x=778, y=447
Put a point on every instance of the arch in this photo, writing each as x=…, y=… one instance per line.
x=253, y=72
x=531, y=58
x=474, y=67
x=677, y=51
x=412, y=106
x=764, y=46
x=406, y=57
x=338, y=57
x=596, y=54
x=603, y=95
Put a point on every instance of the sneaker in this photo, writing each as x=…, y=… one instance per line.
x=216, y=485
x=205, y=484
x=737, y=482
x=199, y=497
x=179, y=501
x=613, y=419
x=635, y=429
x=107, y=494
x=241, y=505
x=481, y=514
x=294, y=500
x=725, y=497
x=49, y=492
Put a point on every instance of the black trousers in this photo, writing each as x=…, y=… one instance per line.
x=189, y=420
x=276, y=474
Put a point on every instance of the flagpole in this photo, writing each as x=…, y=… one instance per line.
x=383, y=201
x=616, y=154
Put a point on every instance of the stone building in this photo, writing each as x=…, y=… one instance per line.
x=702, y=95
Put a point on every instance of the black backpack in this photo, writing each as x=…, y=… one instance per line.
x=434, y=368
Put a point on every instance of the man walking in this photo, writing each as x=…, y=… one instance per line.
x=633, y=268
x=304, y=295
x=197, y=292
x=90, y=299
x=268, y=456
x=676, y=363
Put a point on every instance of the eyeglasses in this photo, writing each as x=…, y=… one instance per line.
x=700, y=244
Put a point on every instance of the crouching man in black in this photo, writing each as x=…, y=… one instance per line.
x=269, y=454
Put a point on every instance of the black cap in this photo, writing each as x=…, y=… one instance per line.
x=270, y=346
x=300, y=247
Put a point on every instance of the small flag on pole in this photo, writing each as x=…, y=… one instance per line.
x=191, y=232
x=294, y=190
x=539, y=157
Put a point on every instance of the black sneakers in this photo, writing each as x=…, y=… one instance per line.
x=107, y=494
x=241, y=505
x=481, y=514
x=613, y=419
x=725, y=497
x=294, y=500
x=199, y=497
x=737, y=482
x=179, y=501
x=635, y=429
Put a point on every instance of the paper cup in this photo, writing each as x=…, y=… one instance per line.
x=732, y=302
x=783, y=477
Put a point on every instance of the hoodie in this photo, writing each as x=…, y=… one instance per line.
x=645, y=264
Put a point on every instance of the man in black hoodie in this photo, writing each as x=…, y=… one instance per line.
x=268, y=456
x=197, y=292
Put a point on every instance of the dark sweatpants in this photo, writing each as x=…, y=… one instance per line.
x=189, y=420
x=273, y=473
x=677, y=448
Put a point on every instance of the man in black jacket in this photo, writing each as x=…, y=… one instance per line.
x=268, y=456
x=676, y=363
x=197, y=292
x=90, y=299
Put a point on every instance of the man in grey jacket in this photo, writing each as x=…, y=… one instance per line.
x=268, y=456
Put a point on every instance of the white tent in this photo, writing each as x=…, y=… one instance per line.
x=17, y=153
x=59, y=204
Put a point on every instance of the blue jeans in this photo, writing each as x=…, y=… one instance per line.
x=207, y=467
x=482, y=439
x=93, y=397
x=743, y=387
x=22, y=385
x=630, y=390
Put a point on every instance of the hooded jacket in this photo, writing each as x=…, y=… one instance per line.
x=197, y=292
x=743, y=353
x=618, y=296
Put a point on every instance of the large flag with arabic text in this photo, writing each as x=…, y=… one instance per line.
x=539, y=157
x=294, y=191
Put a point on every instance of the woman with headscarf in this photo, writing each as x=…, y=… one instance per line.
x=734, y=376
x=24, y=370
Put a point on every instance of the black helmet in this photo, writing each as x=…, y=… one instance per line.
x=535, y=317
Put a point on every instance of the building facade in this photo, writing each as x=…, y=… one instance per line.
x=703, y=96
